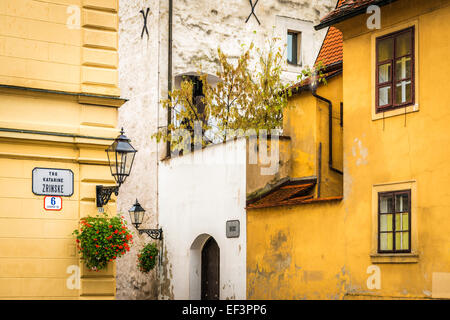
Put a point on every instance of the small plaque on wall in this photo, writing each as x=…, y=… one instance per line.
x=232, y=229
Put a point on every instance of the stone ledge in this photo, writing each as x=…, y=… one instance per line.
x=394, y=258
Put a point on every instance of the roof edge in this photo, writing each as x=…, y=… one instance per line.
x=351, y=14
x=336, y=66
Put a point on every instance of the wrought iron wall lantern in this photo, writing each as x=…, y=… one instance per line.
x=120, y=157
x=137, y=216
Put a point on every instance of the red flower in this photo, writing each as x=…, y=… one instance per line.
x=97, y=246
x=120, y=247
x=95, y=239
x=110, y=226
x=151, y=257
x=116, y=231
x=78, y=241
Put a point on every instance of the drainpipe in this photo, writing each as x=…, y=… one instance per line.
x=330, y=130
x=169, y=72
x=319, y=170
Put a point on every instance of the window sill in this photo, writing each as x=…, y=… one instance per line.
x=395, y=112
x=394, y=258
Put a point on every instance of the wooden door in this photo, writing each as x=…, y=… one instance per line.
x=210, y=270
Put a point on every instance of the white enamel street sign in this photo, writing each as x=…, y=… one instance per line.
x=53, y=203
x=52, y=182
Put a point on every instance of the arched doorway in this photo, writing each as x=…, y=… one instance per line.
x=210, y=274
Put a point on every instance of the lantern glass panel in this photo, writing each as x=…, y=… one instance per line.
x=113, y=164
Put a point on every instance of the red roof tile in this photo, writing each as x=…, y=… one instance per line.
x=331, y=50
x=285, y=195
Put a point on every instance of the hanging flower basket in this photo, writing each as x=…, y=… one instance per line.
x=147, y=258
x=102, y=239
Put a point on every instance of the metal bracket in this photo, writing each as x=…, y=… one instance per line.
x=153, y=233
x=103, y=194
x=253, y=11
x=144, y=28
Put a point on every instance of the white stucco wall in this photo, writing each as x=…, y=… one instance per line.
x=199, y=27
x=199, y=192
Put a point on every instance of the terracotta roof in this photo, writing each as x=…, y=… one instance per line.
x=331, y=50
x=346, y=9
x=290, y=193
x=330, y=54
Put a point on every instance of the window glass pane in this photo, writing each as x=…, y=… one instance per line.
x=402, y=241
x=401, y=203
x=292, y=48
x=401, y=222
x=384, y=96
x=405, y=221
x=403, y=68
x=386, y=222
x=405, y=236
x=403, y=44
x=384, y=73
x=385, y=49
x=386, y=204
x=386, y=241
x=403, y=92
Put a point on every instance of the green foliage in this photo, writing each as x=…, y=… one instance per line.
x=101, y=239
x=147, y=257
x=251, y=94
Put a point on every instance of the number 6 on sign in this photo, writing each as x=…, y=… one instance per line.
x=52, y=203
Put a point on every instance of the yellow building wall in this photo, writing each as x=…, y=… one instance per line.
x=58, y=109
x=306, y=123
x=60, y=45
x=334, y=241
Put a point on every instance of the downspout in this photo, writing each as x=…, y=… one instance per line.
x=319, y=170
x=330, y=130
x=169, y=72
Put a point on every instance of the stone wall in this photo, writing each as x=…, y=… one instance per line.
x=138, y=80
x=199, y=27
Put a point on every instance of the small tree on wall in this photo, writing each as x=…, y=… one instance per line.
x=250, y=95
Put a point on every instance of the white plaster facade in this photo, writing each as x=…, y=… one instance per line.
x=199, y=193
x=199, y=27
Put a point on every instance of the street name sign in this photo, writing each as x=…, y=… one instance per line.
x=52, y=182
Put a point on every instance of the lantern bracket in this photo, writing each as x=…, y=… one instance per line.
x=155, y=234
x=103, y=194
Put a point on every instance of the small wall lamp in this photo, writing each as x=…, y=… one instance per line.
x=137, y=216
